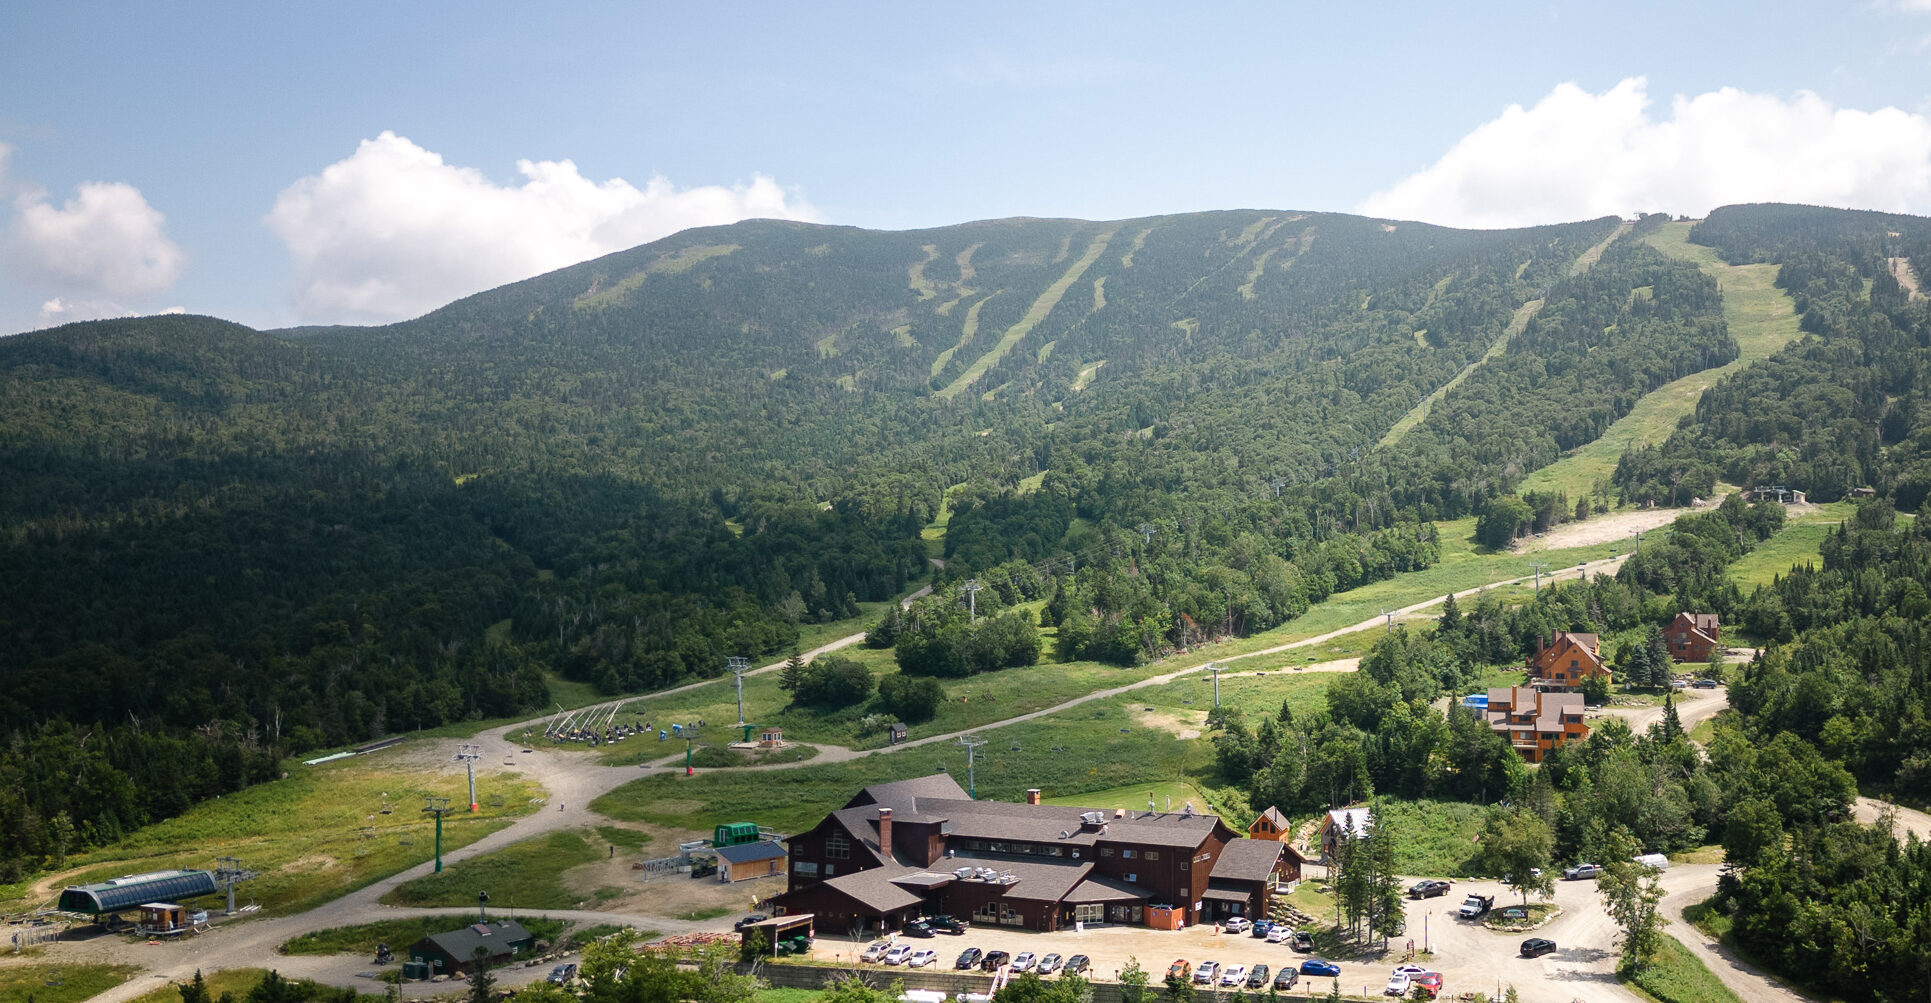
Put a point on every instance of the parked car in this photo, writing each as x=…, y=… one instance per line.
x=1180, y=969
x=1427, y=889
x=874, y=952
x=1582, y=872
x=922, y=958
x=1303, y=941
x=756, y=917
x=1397, y=985
x=1261, y=926
x=1236, y=924
x=1280, y=933
x=1257, y=979
x=1206, y=973
x=562, y=974
x=1076, y=964
x=1233, y=975
x=994, y=960
x=1536, y=947
x=1705, y=684
x=1286, y=978
x=1315, y=966
x=1024, y=962
x=945, y=924
x=968, y=959
x=898, y=954
x=915, y=928
x=1409, y=970
x=1048, y=964
x=1677, y=684
x=1429, y=983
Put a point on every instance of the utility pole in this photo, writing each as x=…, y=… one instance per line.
x=467, y=755
x=1537, y=567
x=971, y=743
x=438, y=807
x=1390, y=614
x=972, y=588
x=1216, y=668
x=738, y=664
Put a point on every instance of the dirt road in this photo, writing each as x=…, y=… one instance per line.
x=1692, y=708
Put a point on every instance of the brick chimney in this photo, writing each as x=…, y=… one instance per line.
x=1032, y=795
x=885, y=831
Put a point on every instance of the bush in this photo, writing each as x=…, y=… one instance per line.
x=911, y=698
x=834, y=681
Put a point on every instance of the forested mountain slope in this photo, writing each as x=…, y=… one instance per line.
x=219, y=545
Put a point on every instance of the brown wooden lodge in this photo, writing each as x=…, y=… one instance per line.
x=922, y=847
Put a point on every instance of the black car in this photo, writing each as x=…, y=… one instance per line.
x=1076, y=965
x=1427, y=889
x=993, y=961
x=1536, y=947
x=915, y=929
x=1257, y=979
x=969, y=959
x=1286, y=978
x=1704, y=684
x=756, y=917
x=562, y=974
x=945, y=924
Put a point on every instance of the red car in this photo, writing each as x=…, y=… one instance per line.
x=1428, y=982
x=1180, y=969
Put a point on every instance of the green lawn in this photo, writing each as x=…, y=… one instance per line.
x=1759, y=316
x=1433, y=838
x=1677, y=976
x=47, y=983
x=399, y=933
x=1094, y=747
x=1133, y=797
x=525, y=875
x=305, y=835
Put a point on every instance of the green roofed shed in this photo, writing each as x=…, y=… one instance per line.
x=135, y=890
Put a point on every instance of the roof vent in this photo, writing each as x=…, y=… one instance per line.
x=1065, y=834
x=482, y=929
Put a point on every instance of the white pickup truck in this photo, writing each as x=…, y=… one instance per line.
x=1475, y=905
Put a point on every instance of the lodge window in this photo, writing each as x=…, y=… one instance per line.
x=1106, y=851
x=804, y=867
x=1135, y=878
x=1126, y=854
x=837, y=847
x=1153, y=854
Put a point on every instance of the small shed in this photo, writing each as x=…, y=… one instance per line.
x=771, y=738
x=455, y=951
x=895, y=733
x=168, y=919
x=1270, y=824
x=780, y=935
x=750, y=860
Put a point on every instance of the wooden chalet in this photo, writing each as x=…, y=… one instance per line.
x=1566, y=659
x=1693, y=636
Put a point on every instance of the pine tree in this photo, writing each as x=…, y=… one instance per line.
x=1450, y=623
x=792, y=676
x=1672, y=725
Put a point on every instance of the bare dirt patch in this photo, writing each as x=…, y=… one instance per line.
x=1185, y=725
x=1608, y=528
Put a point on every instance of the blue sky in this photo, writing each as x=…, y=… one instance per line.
x=280, y=164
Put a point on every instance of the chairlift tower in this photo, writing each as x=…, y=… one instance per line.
x=228, y=874
x=1216, y=668
x=971, y=743
x=467, y=754
x=1146, y=529
x=1390, y=614
x=1537, y=567
x=739, y=665
x=972, y=588
x=1278, y=483
x=438, y=807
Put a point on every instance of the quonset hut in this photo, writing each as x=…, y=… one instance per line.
x=135, y=890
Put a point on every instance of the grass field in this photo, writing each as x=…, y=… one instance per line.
x=1799, y=542
x=525, y=875
x=305, y=834
x=1677, y=976
x=399, y=933
x=62, y=983
x=1433, y=838
x=1761, y=319
x=1133, y=797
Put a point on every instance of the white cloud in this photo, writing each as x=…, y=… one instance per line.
x=61, y=310
x=106, y=241
x=393, y=231
x=1577, y=155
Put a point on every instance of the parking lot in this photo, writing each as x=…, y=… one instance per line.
x=1470, y=957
